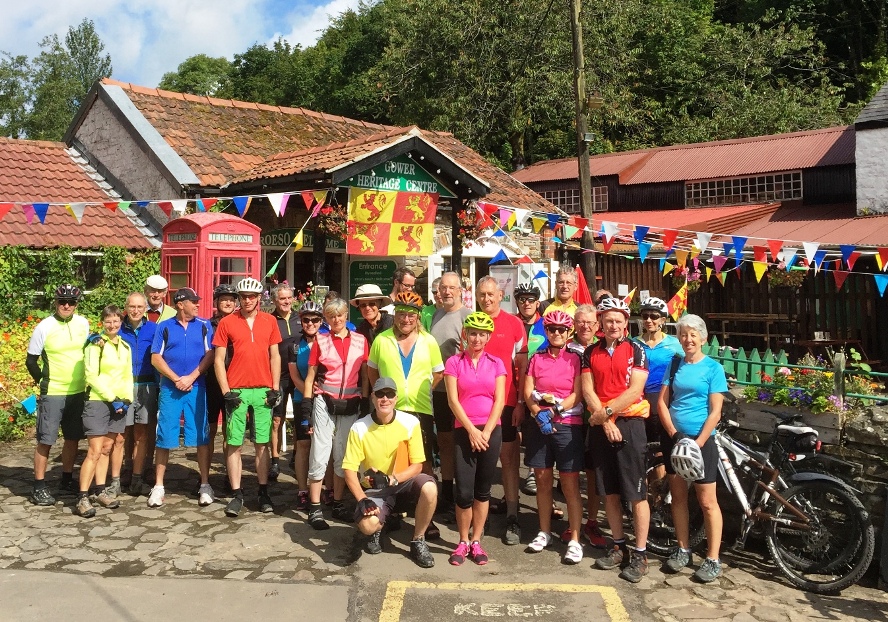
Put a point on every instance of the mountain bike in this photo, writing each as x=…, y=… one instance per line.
x=816, y=529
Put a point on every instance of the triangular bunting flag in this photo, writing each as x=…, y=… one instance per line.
x=708, y=273
x=199, y=205
x=110, y=205
x=840, y=276
x=511, y=222
x=298, y=241
x=166, y=207
x=882, y=254
x=5, y=209
x=703, y=241
x=241, y=203
x=278, y=202
x=721, y=277
x=180, y=205
x=819, y=256
x=728, y=246
x=521, y=216
x=540, y=275
x=570, y=232
x=500, y=256
x=739, y=243
x=28, y=209
x=553, y=220
x=640, y=232
x=846, y=249
x=681, y=257
x=879, y=262
x=669, y=236
x=76, y=210
x=775, y=246
x=610, y=229
x=881, y=282
x=760, y=253
x=320, y=196
x=524, y=259
x=582, y=223
x=810, y=250
x=719, y=262
x=607, y=243
x=126, y=204
x=499, y=233
x=760, y=268
x=504, y=216
x=41, y=209
x=307, y=198
x=209, y=203
x=852, y=259
x=789, y=257
x=643, y=250
x=694, y=251
x=667, y=268
x=662, y=265
x=538, y=224
x=30, y=404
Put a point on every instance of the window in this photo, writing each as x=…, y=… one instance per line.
x=569, y=200
x=739, y=190
x=231, y=269
x=179, y=271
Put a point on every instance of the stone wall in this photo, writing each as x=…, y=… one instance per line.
x=872, y=170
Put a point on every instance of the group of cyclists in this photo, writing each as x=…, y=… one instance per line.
x=413, y=409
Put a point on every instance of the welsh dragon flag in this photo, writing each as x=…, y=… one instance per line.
x=384, y=223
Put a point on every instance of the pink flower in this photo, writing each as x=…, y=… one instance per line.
x=784, y=370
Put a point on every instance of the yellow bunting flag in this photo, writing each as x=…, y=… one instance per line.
x=391, y=223
x=694, y=252
x=678, y=304
x=681, y=257
x=708, y=273
x=667, y=268
x=298, y=241
x=538, y=224
x=760, y=268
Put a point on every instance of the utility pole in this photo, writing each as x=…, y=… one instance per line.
x=587, y=260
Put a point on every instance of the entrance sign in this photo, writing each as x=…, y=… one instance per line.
x=367, y=272
x=400, y=174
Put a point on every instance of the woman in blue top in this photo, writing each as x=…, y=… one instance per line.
x=695, y=410
x=310, y=314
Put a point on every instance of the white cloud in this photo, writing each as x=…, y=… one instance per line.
x=147, y=39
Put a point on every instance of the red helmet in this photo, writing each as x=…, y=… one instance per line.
x=557, y=318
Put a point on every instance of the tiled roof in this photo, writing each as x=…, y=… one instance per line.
x=876, y=109
x=725, y=220
x=826, y=224
x=725, y=158
x=49, y=172
x=504, y=188
x=221, y=139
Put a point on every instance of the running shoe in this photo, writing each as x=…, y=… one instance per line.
x=106, y=500
x=613, y=559
x=155, y=499
x=205, y=496
x=678, y=559
x=265, y=505
x=341, y=512
x=478, y=555
x=41, y=496
x=316, y=520
x=529, y=487
x=302, y=500
x=513, y=531
x=234, y=507
x=574, y=553
x=420, y=553
x=275, y=471
x=637, y=568
x=113, y=489
x=708, y=571
x=84, y=508
x=543, y=540
x=593, y=534
x=458, y=557
x=374, y=543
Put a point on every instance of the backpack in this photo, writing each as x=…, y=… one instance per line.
x=673, y=369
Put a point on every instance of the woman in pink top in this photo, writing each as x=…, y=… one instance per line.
x=476, y=391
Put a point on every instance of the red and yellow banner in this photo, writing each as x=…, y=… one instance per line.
x=390, y=223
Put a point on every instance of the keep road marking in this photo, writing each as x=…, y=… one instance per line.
x=546, y=603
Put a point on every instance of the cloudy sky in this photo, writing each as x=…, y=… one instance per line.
x=147, y=38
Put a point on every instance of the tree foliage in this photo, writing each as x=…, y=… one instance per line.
x=200, y=75
x=38, y=98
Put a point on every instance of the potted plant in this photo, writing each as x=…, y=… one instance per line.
x=781, y=278
x=683, y=273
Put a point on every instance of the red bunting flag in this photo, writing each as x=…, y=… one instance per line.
x=852, y=259
x=759, y=253
x=110, y=206
x=209, y=203
x=840, y=276
x=4, y=209
x=776, y=246
x=883, y=255
x=167, y=207
x=582, y=223
x=669, y=236
x=525, y=259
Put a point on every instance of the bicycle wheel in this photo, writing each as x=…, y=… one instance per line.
x=838, y=547
x=661, y=533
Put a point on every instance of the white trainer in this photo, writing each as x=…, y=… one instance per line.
x=574, y=553
x=205, y=495
x=155, y=499
x=541, y=541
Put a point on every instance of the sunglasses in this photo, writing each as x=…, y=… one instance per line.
x=525, y=300
x=385, y=393
x=364, y=305
x=650, y=316
x=68, y=303
x=311, y=320
x=557, y=329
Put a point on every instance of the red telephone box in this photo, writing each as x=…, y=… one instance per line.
x=202, y=250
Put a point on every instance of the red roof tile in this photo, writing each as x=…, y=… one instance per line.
x=826, y=224
x=725, y=220
x=725, y=158
x=45, y=172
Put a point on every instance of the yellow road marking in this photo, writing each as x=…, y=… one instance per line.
x=396, y=590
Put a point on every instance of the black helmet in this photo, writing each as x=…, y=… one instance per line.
x=224, y=289
x=68, y=292
x=527, y=290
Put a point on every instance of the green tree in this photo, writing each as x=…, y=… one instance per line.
x=269, y=75
x=200, y=75
x=14, y=90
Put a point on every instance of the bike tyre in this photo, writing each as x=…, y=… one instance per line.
x=661, y=533
x=834, y=556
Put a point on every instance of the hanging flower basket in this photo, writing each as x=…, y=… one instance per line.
x=469, y=231
x=692, y=275
x=779, y=276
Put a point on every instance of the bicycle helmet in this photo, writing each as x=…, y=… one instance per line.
x=68, y=292
x=408, y=299
x=478, y=321
x=310, y=307
x=613, y=304
x=527, y=290
x=655, y=304
x=687, y=460
x=249, y=285
x=557, y=318
x=224, y=289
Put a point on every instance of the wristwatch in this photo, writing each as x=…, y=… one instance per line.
x=393, y=481
x=608, y=411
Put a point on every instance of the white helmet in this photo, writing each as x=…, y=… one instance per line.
x=655, y=304
x=687, y=460
x=613, y=304
x=249, y=285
